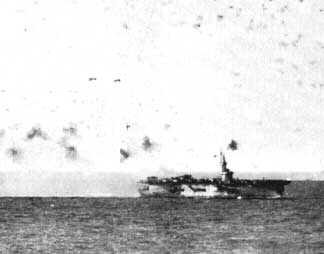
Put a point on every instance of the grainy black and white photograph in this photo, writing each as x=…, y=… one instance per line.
x=162, y=126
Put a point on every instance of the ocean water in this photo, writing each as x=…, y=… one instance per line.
x=136, y=225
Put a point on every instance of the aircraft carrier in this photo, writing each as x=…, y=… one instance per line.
x=225, y=186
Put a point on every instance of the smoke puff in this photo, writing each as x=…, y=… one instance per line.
x=36, y=132
x=14, y=153
x=125, y=154
x=233, y=145
x=71, y=152
x=71, y=130
x=147, y=144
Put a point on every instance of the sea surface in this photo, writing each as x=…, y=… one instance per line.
x=136, y=225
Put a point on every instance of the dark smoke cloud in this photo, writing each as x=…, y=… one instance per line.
x=71, y=152
x=71, y=130
x=36, y=132
x=147, y=144
x=14, y=153
x=233, y=145
x=125, y=154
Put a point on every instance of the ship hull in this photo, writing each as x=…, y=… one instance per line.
x=158, y=191
x=212, y=191
x=224, y=187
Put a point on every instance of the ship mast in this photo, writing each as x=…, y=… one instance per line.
x=226, y=174
x=223, y=162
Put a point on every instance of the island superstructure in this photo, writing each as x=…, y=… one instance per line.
x=225, y=186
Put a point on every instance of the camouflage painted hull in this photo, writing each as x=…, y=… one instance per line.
x=224, y=187
x=213, y=190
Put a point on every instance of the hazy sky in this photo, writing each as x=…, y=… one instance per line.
x=200, y=73
x=186, y=77
x=57, y=70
